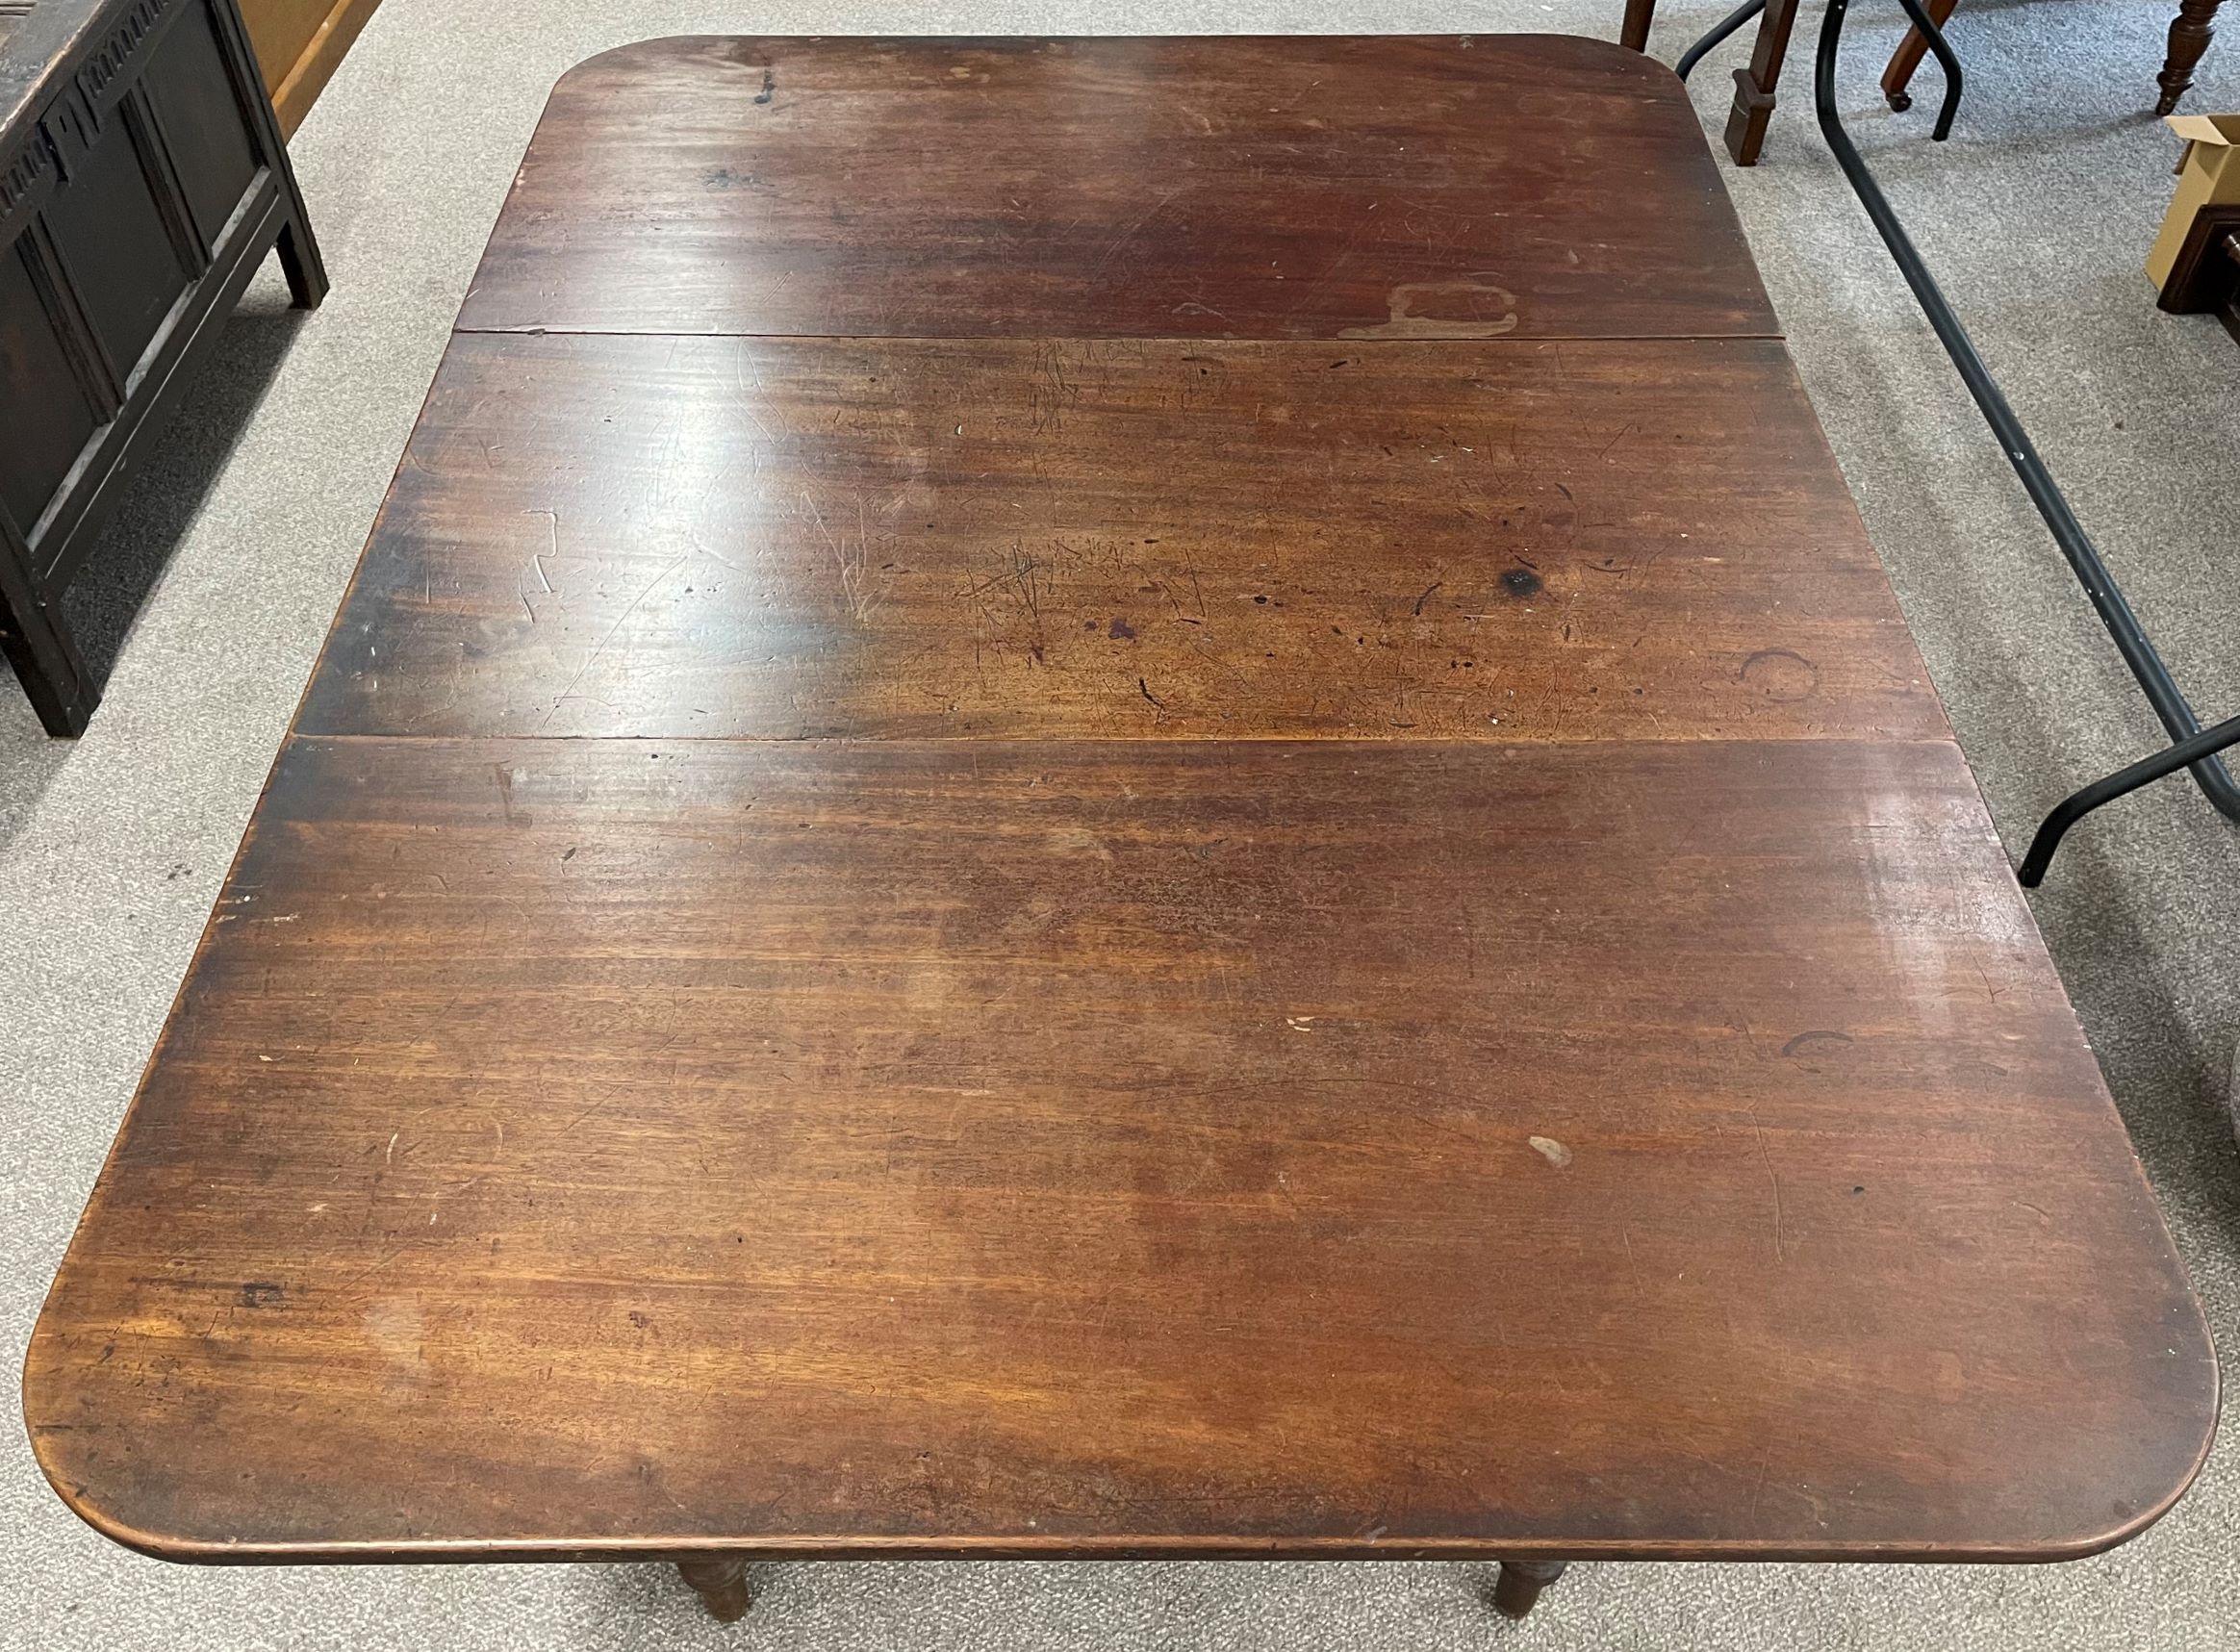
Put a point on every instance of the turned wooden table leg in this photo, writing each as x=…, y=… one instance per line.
x=1633, y=31
x=722, y=1582
x=1899, y=76
x=1745, y=129
x=1519, y=1585
x=2189, y=38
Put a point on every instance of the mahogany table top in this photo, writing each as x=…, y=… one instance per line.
x=1120, y=797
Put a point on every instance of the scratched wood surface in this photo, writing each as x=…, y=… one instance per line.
x=905, y=1075
x=918, y=1145
x=1538, y=186
x=786, y=538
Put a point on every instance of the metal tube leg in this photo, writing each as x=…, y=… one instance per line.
x=1719, y=32
x=2154, y=678
x=2143, y=772
x=1908, y=58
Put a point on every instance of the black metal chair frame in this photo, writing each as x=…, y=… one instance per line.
x=2194, y=746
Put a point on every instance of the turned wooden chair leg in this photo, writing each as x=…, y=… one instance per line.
x=1633, y=31
x=1519, y=1585
x=722, y=1582
x=2189, y=38
x=1899, y=76
x=1745, y=129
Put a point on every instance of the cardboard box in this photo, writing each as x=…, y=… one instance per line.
x=2209, y=176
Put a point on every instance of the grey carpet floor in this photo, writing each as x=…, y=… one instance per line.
x=244, y=530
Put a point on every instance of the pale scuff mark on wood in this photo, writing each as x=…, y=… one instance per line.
x=853, y=564
x=1773, y=1179
x=568, y=692
x=536, y=559
x=1407, y=323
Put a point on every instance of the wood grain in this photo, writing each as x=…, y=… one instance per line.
x=1141, y=943
x=300, y=46
x=787, y=539
x=594, y=1147
x=1298, y=187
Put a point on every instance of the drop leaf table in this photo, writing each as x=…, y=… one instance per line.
x=1098, y=798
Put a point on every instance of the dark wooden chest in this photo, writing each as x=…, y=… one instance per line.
x=142, y=179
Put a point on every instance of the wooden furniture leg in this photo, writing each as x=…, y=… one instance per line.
x=1745, y=129
x=2205, y=275
x=38, y=643
x=2189, y=37
x=1518, y=1586
x=1633, y=31
x=1908, y=58
x=721, y=1580
x=300, y=263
